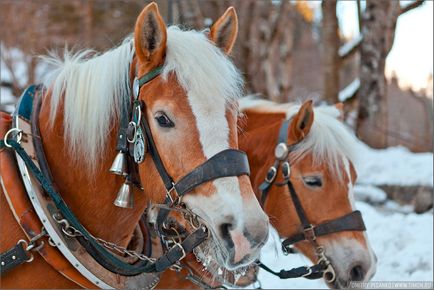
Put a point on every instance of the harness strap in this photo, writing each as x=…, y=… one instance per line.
x=14, y=257
x=107, y=259
x=314, y=272
x=349, y=222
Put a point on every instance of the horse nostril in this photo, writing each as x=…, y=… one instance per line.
x=224, y=231
x=357, y=273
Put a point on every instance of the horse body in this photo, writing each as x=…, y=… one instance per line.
x=191, y=113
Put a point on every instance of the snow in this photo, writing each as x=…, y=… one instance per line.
x=403, y=244
x=345, y=49
x=349, y=91
x=394, y=166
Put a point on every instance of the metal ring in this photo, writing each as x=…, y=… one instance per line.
x=273, y=171
x=134, y=125
x=19, y=136
x=139, y=110
x=26, y=246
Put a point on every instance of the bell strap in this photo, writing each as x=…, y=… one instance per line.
x=349, y=222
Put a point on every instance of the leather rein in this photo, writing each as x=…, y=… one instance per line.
x=350, y=222
x=226, y=163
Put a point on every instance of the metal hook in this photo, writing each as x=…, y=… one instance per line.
x=19, y=136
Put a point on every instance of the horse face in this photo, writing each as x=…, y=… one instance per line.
x=326, y=193
x=191, y=109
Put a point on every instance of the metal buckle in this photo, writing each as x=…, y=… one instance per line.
x=182, y=249
x=177, y=199
x=309, y=233
x=272, y=171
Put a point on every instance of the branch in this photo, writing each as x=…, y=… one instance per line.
x=411, y=6
x=346, y=50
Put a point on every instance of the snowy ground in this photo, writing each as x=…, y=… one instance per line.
x=401, y=239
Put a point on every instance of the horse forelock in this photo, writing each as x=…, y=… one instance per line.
x=329, y=140
x=92, y=89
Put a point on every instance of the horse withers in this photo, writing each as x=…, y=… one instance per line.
x=184, y=107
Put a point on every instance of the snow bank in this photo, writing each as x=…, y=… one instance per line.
x=403, y=244
x=394, y=166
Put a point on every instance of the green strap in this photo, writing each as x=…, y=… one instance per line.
x=68, y=214
x=150, y=75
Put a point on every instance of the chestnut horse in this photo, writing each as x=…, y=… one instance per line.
x=322, y=174
x=192, y=114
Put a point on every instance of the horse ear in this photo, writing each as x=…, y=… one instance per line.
x=150, y=35
x=302, y=122
x=225, y=30
x=340, y=107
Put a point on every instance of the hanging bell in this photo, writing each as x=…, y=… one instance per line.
x=120, y=166
x=125, y=196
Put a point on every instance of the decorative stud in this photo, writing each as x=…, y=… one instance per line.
x=281, y=151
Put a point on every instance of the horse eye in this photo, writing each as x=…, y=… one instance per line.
x=163, y=120
x=313, y=181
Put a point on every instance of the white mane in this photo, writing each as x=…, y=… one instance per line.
x=329, y=140
x=93, y=90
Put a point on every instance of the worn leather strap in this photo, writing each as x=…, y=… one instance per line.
x=13, y=257
x=349, y=222
x=229, y=162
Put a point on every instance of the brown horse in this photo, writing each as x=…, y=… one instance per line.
x=192, y=114
x=322, y=174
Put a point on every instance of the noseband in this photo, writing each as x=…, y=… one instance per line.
x=349, y=222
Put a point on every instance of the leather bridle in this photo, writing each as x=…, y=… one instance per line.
x=227, y=163
x=349, y=222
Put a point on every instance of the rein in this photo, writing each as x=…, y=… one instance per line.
x=350, y=222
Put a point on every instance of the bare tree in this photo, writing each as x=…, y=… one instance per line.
x=378, y=28
x=330, y=47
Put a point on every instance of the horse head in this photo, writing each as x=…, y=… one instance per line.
x=191, y=110
x=318, y=152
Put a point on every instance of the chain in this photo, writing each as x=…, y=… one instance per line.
x=72, y=232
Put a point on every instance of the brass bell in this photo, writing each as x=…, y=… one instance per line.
x=120, y=166
x=124, y=198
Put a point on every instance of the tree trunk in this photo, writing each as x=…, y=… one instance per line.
x=379, y=23
x=330, y=56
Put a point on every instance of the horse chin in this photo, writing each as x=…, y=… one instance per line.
x=214, y=262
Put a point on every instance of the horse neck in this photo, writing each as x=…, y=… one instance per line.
x=90, y=195
x=258, y=139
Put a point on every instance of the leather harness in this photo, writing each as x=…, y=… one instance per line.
x=229, y=162
x=350, y=222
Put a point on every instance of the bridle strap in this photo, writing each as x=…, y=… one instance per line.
x=229, y=162
x=349, y=222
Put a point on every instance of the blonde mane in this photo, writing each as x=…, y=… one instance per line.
x=329, y=139
x=94, y=89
